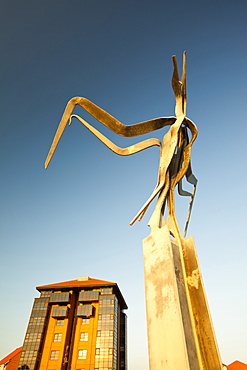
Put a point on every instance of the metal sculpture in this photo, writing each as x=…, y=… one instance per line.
x=175, y=149
x=180, y=330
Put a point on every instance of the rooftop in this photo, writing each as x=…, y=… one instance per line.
x=10, y=356
x=237, y=365
x=85, y=282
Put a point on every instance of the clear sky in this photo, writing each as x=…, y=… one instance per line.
x=73, y=219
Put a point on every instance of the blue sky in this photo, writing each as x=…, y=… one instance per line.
x=73, y=219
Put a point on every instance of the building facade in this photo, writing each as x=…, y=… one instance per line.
x=76, y=325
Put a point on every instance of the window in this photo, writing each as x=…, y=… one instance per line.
x=85, y=321
x=59, y=312
x=32, y=337
x=97, y=351
x=82, y=354
x=45, y=293
x=36, y=321
x=106, y=291
x=83, y=337
x=60, y=297
x=86, y=310
x=89, y=296
x=57, y=337
x=41, y=304
x=60, y=322
x=54, y=355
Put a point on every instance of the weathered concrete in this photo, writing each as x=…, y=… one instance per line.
x=209, y=351
x=170, y=335
x=180, y=329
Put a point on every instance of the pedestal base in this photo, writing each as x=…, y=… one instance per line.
x=180, y=336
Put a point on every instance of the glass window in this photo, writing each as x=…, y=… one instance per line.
x=60, y=297
x=83, y=337
x=32, y=337
x=88, y=296
x=86, y=310
x=45, y=293
x=54, y=355
x=85, y=321
x=82, y=354
x=36, y=321
x=106, y=291
x=57, y=337
x=59, y=311
x=97, y=351
x=60, y=322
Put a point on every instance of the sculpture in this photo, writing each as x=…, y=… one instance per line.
x=173, y=165
x=180, y=331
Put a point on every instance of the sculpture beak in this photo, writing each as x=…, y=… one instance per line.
x=179, y=87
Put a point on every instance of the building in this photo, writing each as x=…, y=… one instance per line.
x=76, y=325
x=237, y=365
x=10, y=362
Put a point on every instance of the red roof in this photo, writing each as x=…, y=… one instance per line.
x=77, y=283
x=237, y=365
x=10, y=356
x=86, y=282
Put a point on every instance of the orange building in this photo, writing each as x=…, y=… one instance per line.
x=10, y=362
x=76, y=325
x=237, y=365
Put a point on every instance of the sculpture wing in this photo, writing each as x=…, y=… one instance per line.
x=116, y=149
x=106, y=119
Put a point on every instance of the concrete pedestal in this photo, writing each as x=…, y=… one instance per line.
x=173, y=335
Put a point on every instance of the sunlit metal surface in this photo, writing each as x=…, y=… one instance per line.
x=175, y=149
